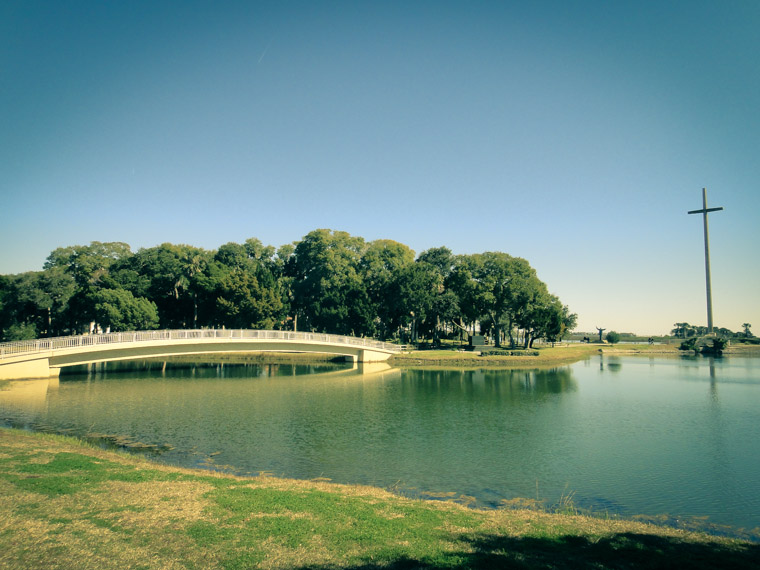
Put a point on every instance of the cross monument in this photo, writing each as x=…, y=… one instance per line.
x=704, y=211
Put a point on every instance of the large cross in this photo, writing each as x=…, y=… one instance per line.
x=704, y=212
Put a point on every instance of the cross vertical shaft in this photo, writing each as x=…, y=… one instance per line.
x=704, y=211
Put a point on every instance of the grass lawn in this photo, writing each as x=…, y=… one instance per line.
x=64, y=504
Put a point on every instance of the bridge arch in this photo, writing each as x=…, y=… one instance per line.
x=45, y=357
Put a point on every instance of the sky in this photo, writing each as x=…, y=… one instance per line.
x=576, y=135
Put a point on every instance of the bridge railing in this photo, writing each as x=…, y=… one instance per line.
x=8, y=349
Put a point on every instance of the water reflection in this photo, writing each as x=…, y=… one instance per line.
x=610, y=363
x=614, y=364
x=28, y=394
x=502, y=385
x=138, y=368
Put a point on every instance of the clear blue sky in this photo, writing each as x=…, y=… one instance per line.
x=574, y=134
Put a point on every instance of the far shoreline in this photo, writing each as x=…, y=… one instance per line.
x=561, y=354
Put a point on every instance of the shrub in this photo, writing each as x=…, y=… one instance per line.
x=612, y=337
x=20, y=331
x=501, y=352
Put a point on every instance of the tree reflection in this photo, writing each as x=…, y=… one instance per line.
x=502, y=384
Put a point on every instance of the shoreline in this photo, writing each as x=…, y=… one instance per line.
x=67, y=504
x=560, y=355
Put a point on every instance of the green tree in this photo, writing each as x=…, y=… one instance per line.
x=497, y=286
x=39, y=299
x=413, y=296
x=20, y=331
x=535, y=310
x=247, y=291
x=58, y=288
x=681, y=330
x=5, y=314
x=285, y=282
x=328, y=292
x=445, y=307
x=379, y=268
x=87, y=264
x=119, y=310
x=242, y=302
x=439, y=257
x=612, y=337
x=30, y=302
x=174, y=277
x=746, y=327
x=549, y=319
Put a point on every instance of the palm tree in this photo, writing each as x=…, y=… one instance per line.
x=746, y=327
x=193, y=263
x=680, y=329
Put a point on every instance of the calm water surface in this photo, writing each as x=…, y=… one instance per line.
x=625, y=435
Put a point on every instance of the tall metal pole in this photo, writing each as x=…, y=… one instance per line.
x=704, y=211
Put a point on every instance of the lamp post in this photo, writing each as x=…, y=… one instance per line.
x=704, y=211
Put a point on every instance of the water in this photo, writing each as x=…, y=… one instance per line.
x=621, y=435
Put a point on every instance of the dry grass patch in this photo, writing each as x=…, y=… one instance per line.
x=154, y=504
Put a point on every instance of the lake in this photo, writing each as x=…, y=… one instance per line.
x=675, y=436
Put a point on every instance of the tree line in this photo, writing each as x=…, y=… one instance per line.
x=685, y=330
x=330, y=281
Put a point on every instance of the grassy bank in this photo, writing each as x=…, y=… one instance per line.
x=259, y=358
x=66, y=505
x=547, y=357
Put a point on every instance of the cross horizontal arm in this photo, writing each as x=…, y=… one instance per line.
x=705, y=210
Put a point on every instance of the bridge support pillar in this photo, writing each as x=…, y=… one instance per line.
x=372, y=356
x=37, y=368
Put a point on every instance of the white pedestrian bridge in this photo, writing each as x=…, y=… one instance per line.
x=45, y=357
